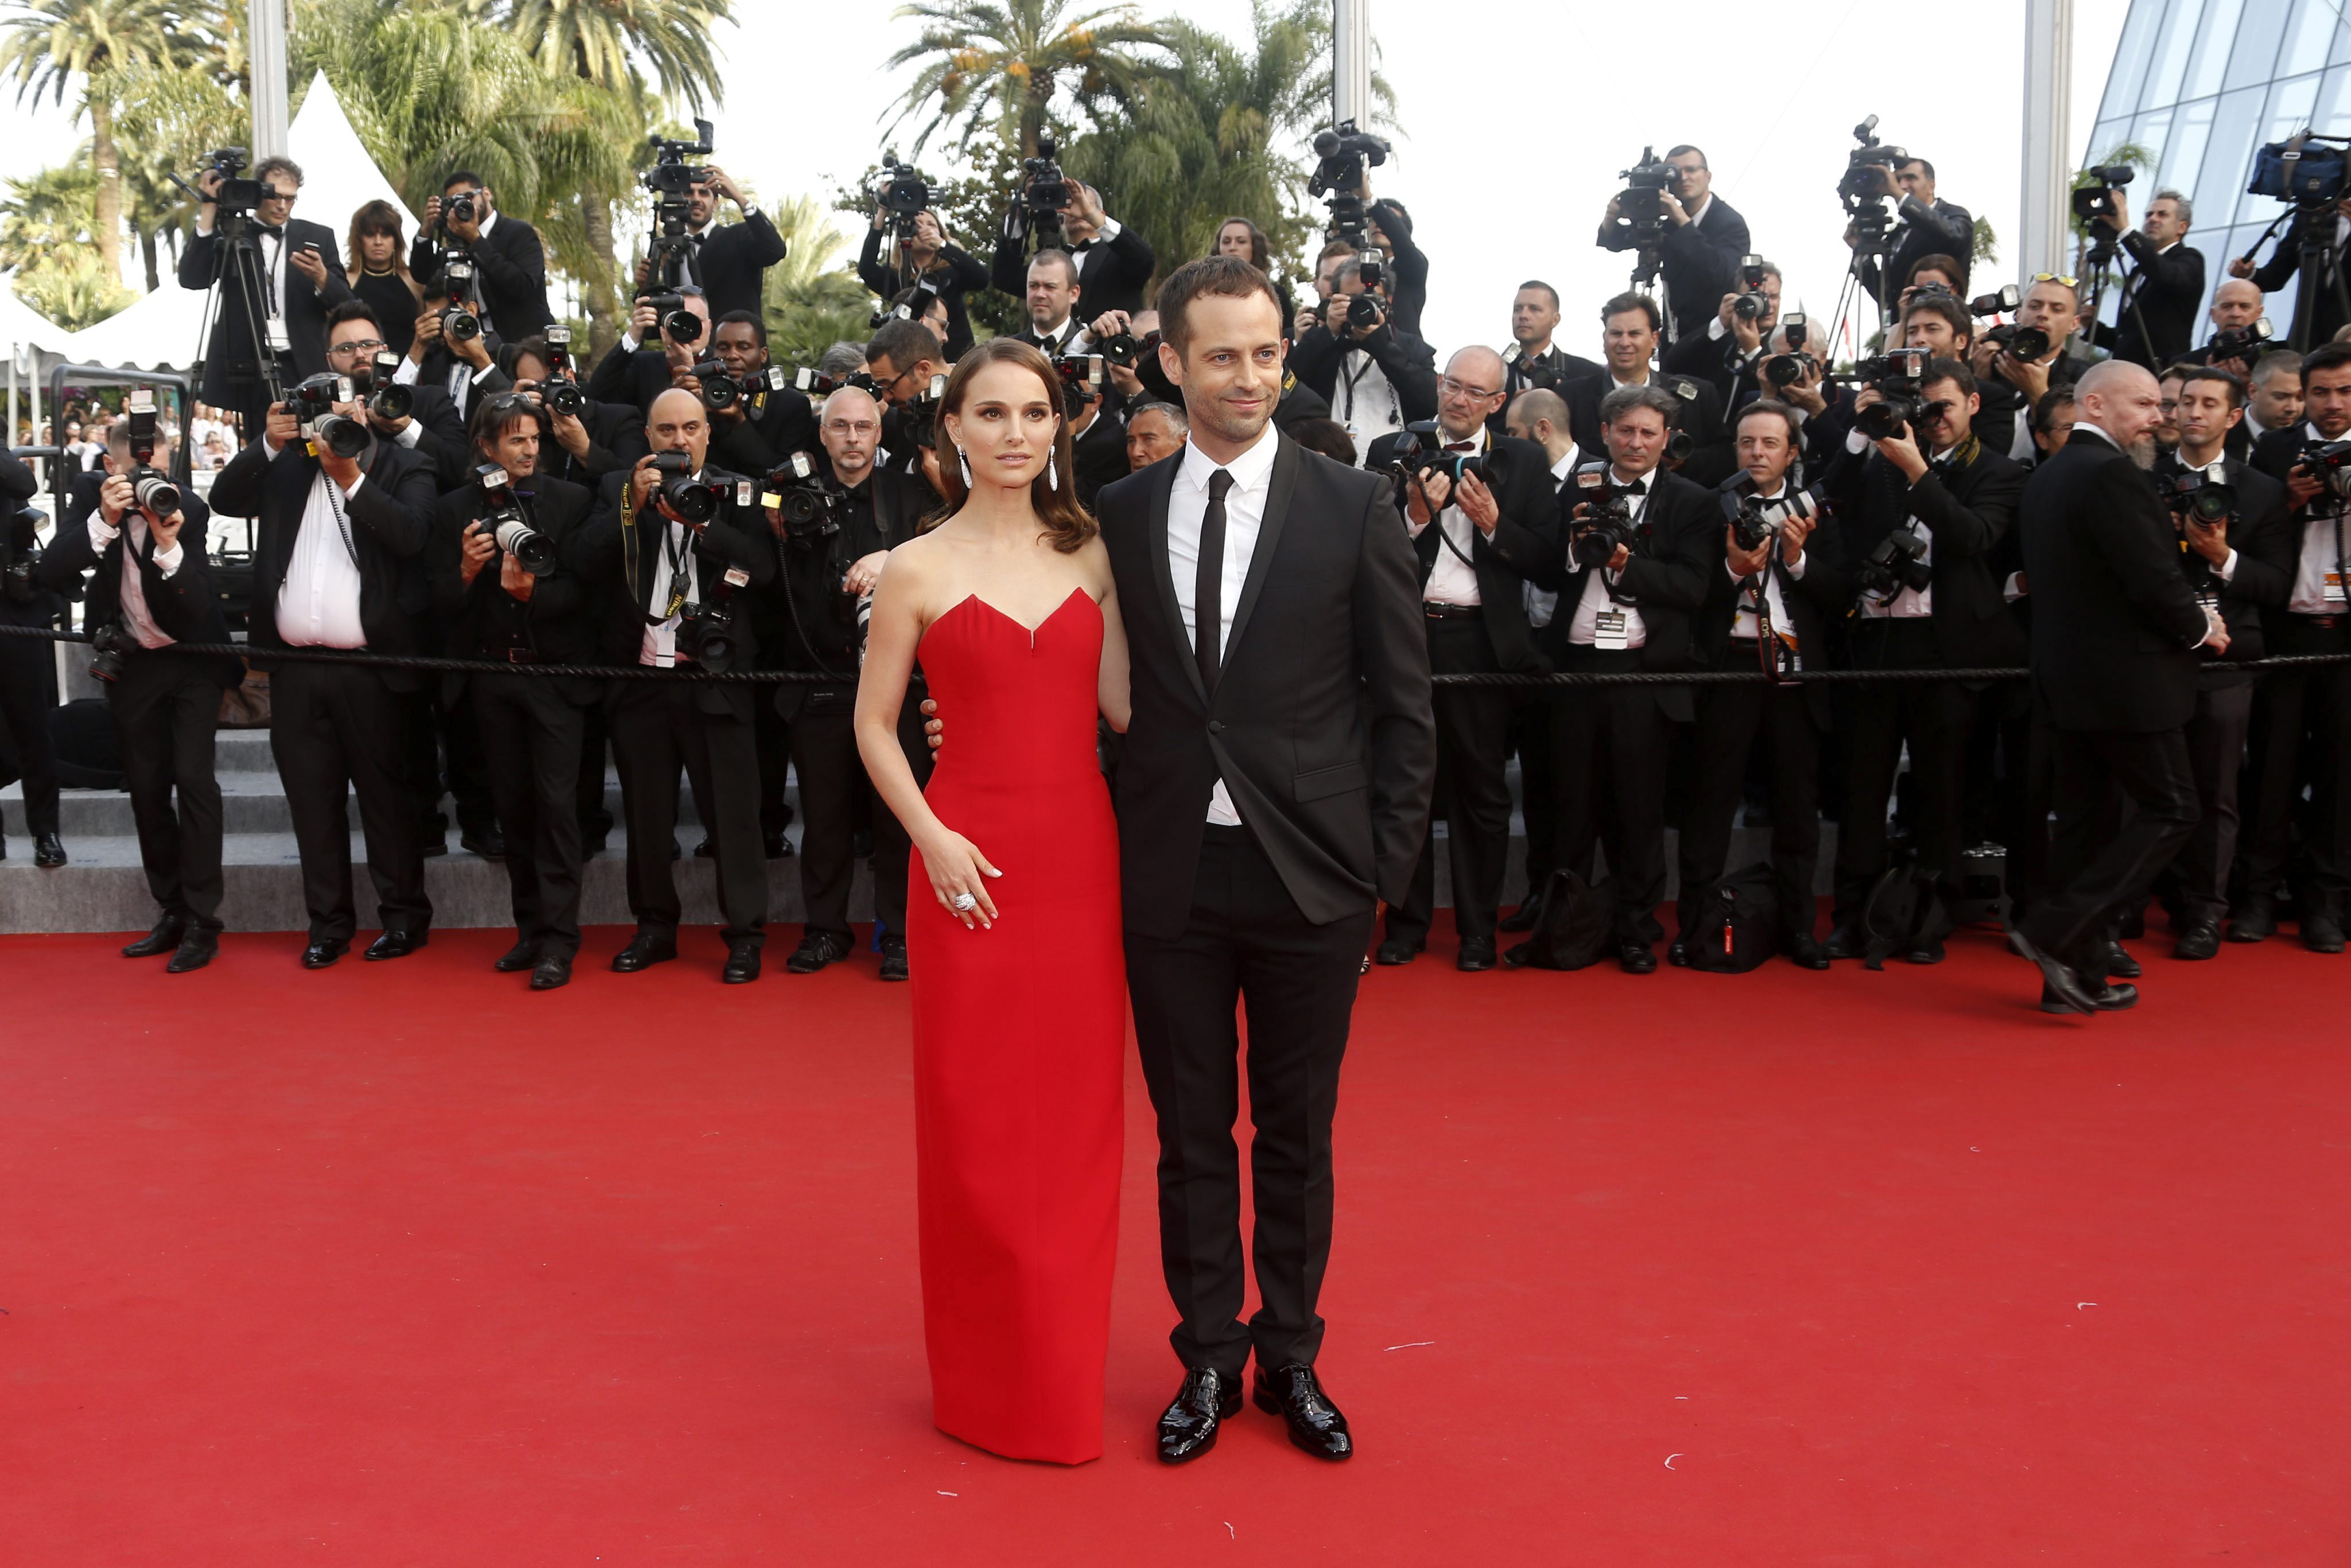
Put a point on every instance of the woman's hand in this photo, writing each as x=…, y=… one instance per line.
x=956, y=867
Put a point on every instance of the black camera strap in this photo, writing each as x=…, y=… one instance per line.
x=343, y=520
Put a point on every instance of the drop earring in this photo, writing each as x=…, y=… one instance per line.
x=964, y=458
x=1052, y=471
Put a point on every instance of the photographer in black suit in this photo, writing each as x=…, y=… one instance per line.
x=1928, y=227
x=649, y=567
x=1627, y=608
x=925, y=257
x=335, y=567
x=1376, y=377
x=509, y=261
x=27, y=668
x=730, y=261
x=461, y=366
x=1769, y=609
x=304, y=278
x=1729, y=354
x=2156, y=315
x=654, y=353
x=581, y=448
x=153, y=587
x=1479, y=541
x=1704, y=238
x=2241, y=563
x=1630, y=325
x=431, y=428
x=2114, y=633
x=1533, y=359
x=2012, y=385
x=1110, y=261
x=1930, y=502
x=758, y=426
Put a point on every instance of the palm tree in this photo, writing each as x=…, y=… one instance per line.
x=55, y=41
x=812, y=300
x=999, y=65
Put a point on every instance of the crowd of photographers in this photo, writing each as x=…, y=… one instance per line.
x=431, y=473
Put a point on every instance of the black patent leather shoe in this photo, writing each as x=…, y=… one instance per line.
x=2256, y=922
x=1476, y=955
x=1188, y=1427
x=742, y=964
x=1636, y=958
x=1807, y=954
x=1396, y=950
x=394, y=945
x=1523, y=918
x=2201, y=940
x=643, y=952
x=2120, y=964
x=2058, y=981
x=817, y=949
x=1678, y=954
x=777, y=847
x=324, y=951
x=2105, y=999
x=894, y=958
x=551, y=973
x=1315, y=1423
x=517, y=958
x=196, y=949
x=160, y=941
x=1844, y=942
x=48, y=851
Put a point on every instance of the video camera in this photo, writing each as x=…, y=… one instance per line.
x=1607, y=522
x=1637, y=205
x=906, y=196
x=532, y=550
x=1044, y=190
x=1343, y=153
x=2306, y=168
x=1862, y=187
x=561, y=391
x=2095, y=201
x=696, y=501
x=671, y=181
x=153, y=490
x=720, y=389
x=20, y=554
x=235, y=198
x=312, y=403
x=804, y=495
x=1899, y=376
x=1899, y=561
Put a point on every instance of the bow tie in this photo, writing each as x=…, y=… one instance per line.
x=273, y=234
x=1460, y=446
x=1637, y=487
x=1084, y=245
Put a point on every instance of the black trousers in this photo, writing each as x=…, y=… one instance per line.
x=832, y=777
x=595, y=745
x=1473, y=789
x=1933, y=718
x=337, y=729
x=2302, y=735
x=2216, y=755
x=1530, y=728
x=774, y=737
x=1730, y=720
x=893, y=849
x=1609, y=746
x=657, y=727
x=446, y=758
x=530, y=741
x=166, y=710
x=2023, y=788
x=2098, y=866
x=27, y=680
x=1245, y=944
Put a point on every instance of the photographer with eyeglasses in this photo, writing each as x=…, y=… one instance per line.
x=1731, y=351
x=421, y=416
x=924, y=259
x=303, y=280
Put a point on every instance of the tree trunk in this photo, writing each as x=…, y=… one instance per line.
x=604, y=319
x=107, y=160
x=147, y=254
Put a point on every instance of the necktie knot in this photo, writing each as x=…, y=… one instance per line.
x=1219, y=483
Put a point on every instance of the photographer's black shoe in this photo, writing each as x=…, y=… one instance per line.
x=1678, y=953
x=1636, y=958
x=551, y=973
x=1844, y=942
x=1188, y=1427
x=1806, y=954
x=894, y=958
x=1525, y=917
x=2201, y=940
x=160, y=941
x=1397, y=950
x=817, y=949
x=742, y=964
x=48, y=851
x=2322, y=931
x=643, y=951
x=2256, y=922
x=394, y=945
x=2105, y=999
x=2120, y=964
x=779, y=847
x=1476, y=955
x=702, y=851
x=490, y=844
x=518, y=957
x=196, y=949
x=324, y=951
x=1927, y=950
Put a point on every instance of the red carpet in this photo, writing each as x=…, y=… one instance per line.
x=402, y=1265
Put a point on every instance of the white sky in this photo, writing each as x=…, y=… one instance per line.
x=1770, y=93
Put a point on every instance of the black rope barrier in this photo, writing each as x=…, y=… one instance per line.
x=802, y=677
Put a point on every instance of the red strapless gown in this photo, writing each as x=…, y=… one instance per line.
x=1019, y=1041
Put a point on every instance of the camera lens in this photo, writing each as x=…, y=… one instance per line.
x=532, y=550
x=156, y=494
x=394, y=402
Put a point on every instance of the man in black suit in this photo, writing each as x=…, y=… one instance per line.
x=2241, y=563
x=1928, y=227
x=153, y=587
x=1629, y=326
x=2325, y=315
x=1376, y=377
x=1539, y=416
x=2114, y=633
x=1480, y=543
x=27, y=668
x=601, y=438
x=301, y=278
x=1628, y=610
x=1729, y=354
x=729, y=260
x=431, y=428
x=518, y=606
x=509, y=261
x=764, y=425
x=1110, y=261
x=1049, y=295
x=1275, y=786
x=2302, y=718
x=334, y=567
x=2011, y=385
x=1704, y=238
x=652, y=353
x=649, y=566
x=1533, y=359
x=1769, y=609
x=2156, y=311
x=1936, y=488
x=461, y=370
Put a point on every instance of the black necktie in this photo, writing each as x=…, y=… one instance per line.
x=1207, y=609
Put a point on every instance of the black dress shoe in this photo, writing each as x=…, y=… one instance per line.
x=1525, y=917
x=2120, y=963
x=2201, y=940
x=1397, y=950
x=779, y=847
x=48, y=851
x=1806, y=954
x=894, y=957
x=196, y=950
x=1477, y=953
x=1636, y=958
x=2105, y=999
x=394, y=945
x=1929, y=950
x=2058, y=981
x=518, y=957
x=1844, y=942
x=742, y=964
x=160, y=941
x=817, y=949
x=324, y=951
x=2255, y=922
x=1315, y=1423
x=490, y=844
x=1678, y=953
x=703, y=851
x=643, y=951
x=1188, y=1427
x=551, y=972
x=2322, y=931
x=436, y=843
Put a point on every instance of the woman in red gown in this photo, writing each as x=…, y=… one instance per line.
x=1020, y=983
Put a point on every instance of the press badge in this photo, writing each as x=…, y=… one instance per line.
x=2334, y=588
x=1608, y=630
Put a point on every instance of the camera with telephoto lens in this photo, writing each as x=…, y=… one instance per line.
x=1784, y=371
x=1899, y=376
x=20, y=555
x=533, y=551
x=1343, y=153
x=232, y=195
x=109, y=646
x=906, y=195
x=1749, y=525
x=2329, y=463
x=1607, y=522
x=152, y=490
x=2239, y=343
x=2096, y=199
x=692, y=501
x=805, y=498
x=386, y=398
x=1899, y=561
x=670, y=179
x=2197, y=495
x=312, y=403
x=2005, y=300
x=1123, y=349
x=678, y=324
x=458, y=322
x=1752, y=305
x=462, y=208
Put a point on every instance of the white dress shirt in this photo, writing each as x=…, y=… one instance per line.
x=1111, y=230
x=134, y=593
x=1911, y=603
x=1583, y=627
x=659, y=647
x=1744, y=624
x=1541, y=603
x=319, y=603
x=1188, y=511
x=1367, y=404
x=1452, y=580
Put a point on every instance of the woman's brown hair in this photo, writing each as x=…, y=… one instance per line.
x=1258, y=250
x=378, y=217
x=1067, y=524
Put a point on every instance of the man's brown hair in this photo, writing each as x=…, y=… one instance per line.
x=1226, y=275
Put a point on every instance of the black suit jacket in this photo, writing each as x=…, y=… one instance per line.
x=440, y=433
x=1111, y=272
x=1678, y=552
x=1524, y=546
x=1815, y=602
x=2115, y=624
x=2157, y=317
x=2326, y=316
x=482, y=619
x=616, y=439
x=230, y=351
x=185, y=605
x=391, y=517
x=1321, y=724
x=732, y=261
x=1319, y=361
x=1945, y=229
x=2277, y=451
x=1699, y=262
x=2268, y=546
x=1966, y=512
x=510, y=265
x=2004, y=407
x=955, y=273
x=774, y=426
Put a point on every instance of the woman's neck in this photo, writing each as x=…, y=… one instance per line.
x=386, y=270
x=1005, y=513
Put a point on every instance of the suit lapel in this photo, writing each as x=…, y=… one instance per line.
x=1163, y=574
x=1269, y=537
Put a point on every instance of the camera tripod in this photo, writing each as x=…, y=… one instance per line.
x=2321, y=268
x=2094, y=259
x=239, y=273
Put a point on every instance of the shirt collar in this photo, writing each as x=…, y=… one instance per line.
x=2084, y=427
x=489, y=221
x=1698, y=212
x=1567, y=464
x=1250, y=470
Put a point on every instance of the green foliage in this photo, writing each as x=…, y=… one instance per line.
x=602, y=41
x=73, y=288
x=997, y=68
x=49, y=213
x=812, y=300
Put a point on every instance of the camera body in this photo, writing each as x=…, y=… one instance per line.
x=695, y=501
x=1123, y=349
x=1899, y=376
x=1899, y=561
x=464, y=207
x=151, y=489
x=233, y=197
x=1749, y=525
x=720, y=389
x=913, y=307
x=2241, y=343
x=1343, y=153
x=806, y=498
x=532, y=550
x=1363, y=313
x=2198, y=497
x=2023, y=342
x=312, y=402
x=1752, y=303
x=1784, y=371
x=678, y=324
x=1421, y=451
x=706, y=629
x=386, y=398
x=1607, y=522
x=1081, y=377
x=459, y=324
x=109, y=646
x=2328, y=462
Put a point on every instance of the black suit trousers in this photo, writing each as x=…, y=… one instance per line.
x=1473, y=791
x=166, y=712
x=2302, y=735
x=832, y=780
x=1608, y=747
x=446, y=758
x=2099, y=867
x=657, y=727
x=27, y=674
x=1933, y=717
x=335, y=728
x=530, y=741
x=2021, y=792
x=1730, y=720
x=2216, y=751
x=1247, y=944
x=1530, y=726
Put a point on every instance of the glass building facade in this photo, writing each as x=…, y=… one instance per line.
x=2201, y=83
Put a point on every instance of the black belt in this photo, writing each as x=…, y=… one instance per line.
x=1436, y=612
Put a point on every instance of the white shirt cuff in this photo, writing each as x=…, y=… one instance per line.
x=101, y=532
x=2227, y=571
x=2013, y=588
x=354, y=487
x=1714, y=329
x=410, y=434
x=1855, y=442
x=1413, y=529
x=407, y=375
x=169, y=560
x=1796, y=568
x=1111, y=227
x=487, y=369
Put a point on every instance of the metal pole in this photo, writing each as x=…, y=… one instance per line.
x=265, y=52
x=1351, y=60
x=2042, y=229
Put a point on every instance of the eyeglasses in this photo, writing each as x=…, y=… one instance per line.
x=1462, y=389
x=2056, y=278
x=357, y=346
